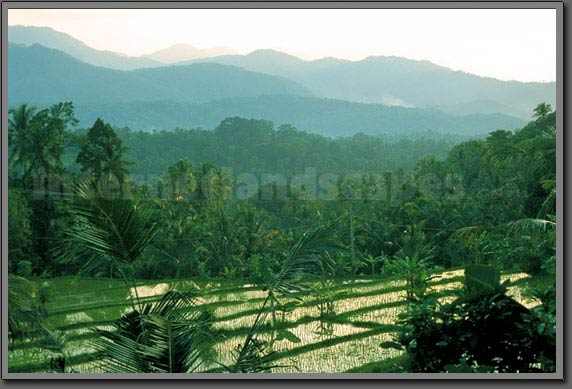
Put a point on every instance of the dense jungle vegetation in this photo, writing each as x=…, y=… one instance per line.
x=294, y=216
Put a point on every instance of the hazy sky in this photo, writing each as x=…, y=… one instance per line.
x=506, y=44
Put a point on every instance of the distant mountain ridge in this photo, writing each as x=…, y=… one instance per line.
x=203, y=94
x=185, y=52
x=398, y=81
x=50, y=38
x=381, y=80
x=40, y=75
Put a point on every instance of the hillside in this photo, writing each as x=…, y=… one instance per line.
x=397, y=81
x=50, y=38
x=40, y=75
x=322, y=116
x=259, y=146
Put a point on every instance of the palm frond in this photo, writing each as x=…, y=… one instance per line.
x=253, y=357
x=108, y=228
x=467, y=235
x=548, y=206
x=531, y=225
x=170, y=336
x=24, y=317
x=305, y=259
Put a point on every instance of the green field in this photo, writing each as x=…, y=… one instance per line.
x=366, y=310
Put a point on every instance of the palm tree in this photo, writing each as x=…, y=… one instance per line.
x=214, y=184
x=181, y=177
x=542, y=150
x=170, y=336
x=542, y=110
x=18, y=132
x=107, y=230
x=38, y=139
x=113, y=164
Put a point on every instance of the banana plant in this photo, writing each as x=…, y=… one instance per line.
x=484, y=279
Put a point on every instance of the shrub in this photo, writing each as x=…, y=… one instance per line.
x=483, y=327
x=24, y=269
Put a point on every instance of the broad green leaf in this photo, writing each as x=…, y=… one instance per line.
x=291, y=337
x=482, y=278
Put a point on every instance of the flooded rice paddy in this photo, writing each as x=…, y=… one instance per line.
x=364, y=316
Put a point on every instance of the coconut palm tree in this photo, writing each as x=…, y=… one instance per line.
x=107, y=230
x=542, y=110
x=170, y=336
x=181, y=178
x=38, y=139
x=19, y=125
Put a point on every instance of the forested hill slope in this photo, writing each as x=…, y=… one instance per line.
x=203, y=94
x=316, y=115
x=40, y=75
x=399, y=81
x=259, y=146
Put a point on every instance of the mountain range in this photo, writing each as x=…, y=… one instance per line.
x=48, y=37
x=40, y=75
x=185, y=87
x=184, y=52
x=398, y=81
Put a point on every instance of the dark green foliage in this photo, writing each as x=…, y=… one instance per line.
x=255, y=146
x=483, y=327
x=491, y=201
x=108, y=229
x=102, y=153
x=164, y=337
x=468, y=207
x=25, y=313
x=20, y=231
x=483, y=280
x=37, y=142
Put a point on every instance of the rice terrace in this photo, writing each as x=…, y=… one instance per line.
x=363, y=317
x=269, y=203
